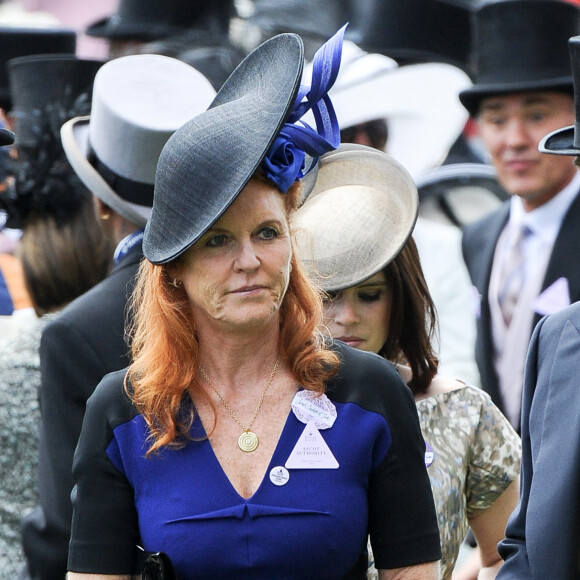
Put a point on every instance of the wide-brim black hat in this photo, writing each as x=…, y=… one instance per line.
x=16, y=42
x=153, y=19
x=414, y=31
x=566, y=141
x=521, y=46
x=206, y=163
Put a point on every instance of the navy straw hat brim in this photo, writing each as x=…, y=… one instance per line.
x=559, y=142
x=471, y=98
x=207, y=162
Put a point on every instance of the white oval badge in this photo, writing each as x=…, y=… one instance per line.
x=311, y=407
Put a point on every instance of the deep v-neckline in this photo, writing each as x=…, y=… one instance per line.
x=222, y=471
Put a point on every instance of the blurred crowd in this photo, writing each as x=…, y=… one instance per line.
x=461, y=94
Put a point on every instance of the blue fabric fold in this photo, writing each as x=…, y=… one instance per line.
x=285, y=161
x=239, y=511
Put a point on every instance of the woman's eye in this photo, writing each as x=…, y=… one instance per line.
x=370, y=296
x=217, y=241
x=268, y=233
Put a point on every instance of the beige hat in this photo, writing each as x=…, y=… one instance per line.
x=356, y=219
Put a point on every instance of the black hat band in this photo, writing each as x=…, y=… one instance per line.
x=135, y=192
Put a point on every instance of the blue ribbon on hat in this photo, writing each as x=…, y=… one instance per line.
x=284, y=163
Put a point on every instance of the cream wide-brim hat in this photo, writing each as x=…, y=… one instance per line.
x=420, y=103
x=358, y=216
x=139, y=101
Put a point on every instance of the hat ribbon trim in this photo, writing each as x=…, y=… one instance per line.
x=129, y=190
x=285, y=160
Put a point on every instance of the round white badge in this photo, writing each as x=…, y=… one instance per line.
x=279, y=475
x=311, y=407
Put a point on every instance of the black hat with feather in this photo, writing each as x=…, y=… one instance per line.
x=47, y=91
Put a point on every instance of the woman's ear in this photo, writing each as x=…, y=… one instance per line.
x=173, y=270
x=102, y=210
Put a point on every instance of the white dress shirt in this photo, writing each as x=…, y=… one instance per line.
x=511, y=343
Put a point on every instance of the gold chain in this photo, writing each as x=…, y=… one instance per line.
x=229, y=409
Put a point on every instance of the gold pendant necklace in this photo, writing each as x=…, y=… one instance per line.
x=248, y=441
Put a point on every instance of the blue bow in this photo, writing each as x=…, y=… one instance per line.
x=284, y=162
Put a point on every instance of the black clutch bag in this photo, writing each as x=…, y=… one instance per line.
x=155, y=566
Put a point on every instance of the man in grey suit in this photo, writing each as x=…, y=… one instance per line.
x=543, y=534
x=518, y=256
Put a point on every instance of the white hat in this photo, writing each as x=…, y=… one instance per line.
x=356, y=219
x=139, y=101
x=419, y=101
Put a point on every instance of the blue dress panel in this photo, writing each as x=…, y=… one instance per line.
x=315, y=525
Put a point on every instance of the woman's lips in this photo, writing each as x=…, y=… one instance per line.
x=353, y=341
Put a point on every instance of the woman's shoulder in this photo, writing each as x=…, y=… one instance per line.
x=467, y=404
x=368, y=380
x=110, y=399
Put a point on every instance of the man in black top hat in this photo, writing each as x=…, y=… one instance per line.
x=542, y=537
x=137, y=22
x=518, y=257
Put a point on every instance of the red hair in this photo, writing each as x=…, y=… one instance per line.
x=165, y=348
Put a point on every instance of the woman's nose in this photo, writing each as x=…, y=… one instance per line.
x=344, y=313
x=247, y=258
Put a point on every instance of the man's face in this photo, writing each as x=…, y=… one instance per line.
x=511, y=127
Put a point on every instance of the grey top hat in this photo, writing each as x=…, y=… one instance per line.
x=566, y=141
x=358, y=216
x=138, y=102
x=16, y=42
x=521, y=46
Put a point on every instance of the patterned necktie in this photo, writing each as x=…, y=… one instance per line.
x=512, y=280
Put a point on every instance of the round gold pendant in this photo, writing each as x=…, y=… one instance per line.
x=248, y=441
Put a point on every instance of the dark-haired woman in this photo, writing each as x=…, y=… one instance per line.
x=378, y=301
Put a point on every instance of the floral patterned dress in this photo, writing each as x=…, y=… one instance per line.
x=473, y=454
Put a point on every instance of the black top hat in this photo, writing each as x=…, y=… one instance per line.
x=521, y=45
x=152, y=19
x=566, y=141
x=313, y=20
x=414, y=31
x=41, y=85
x=47, y=90
x=16, y=42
